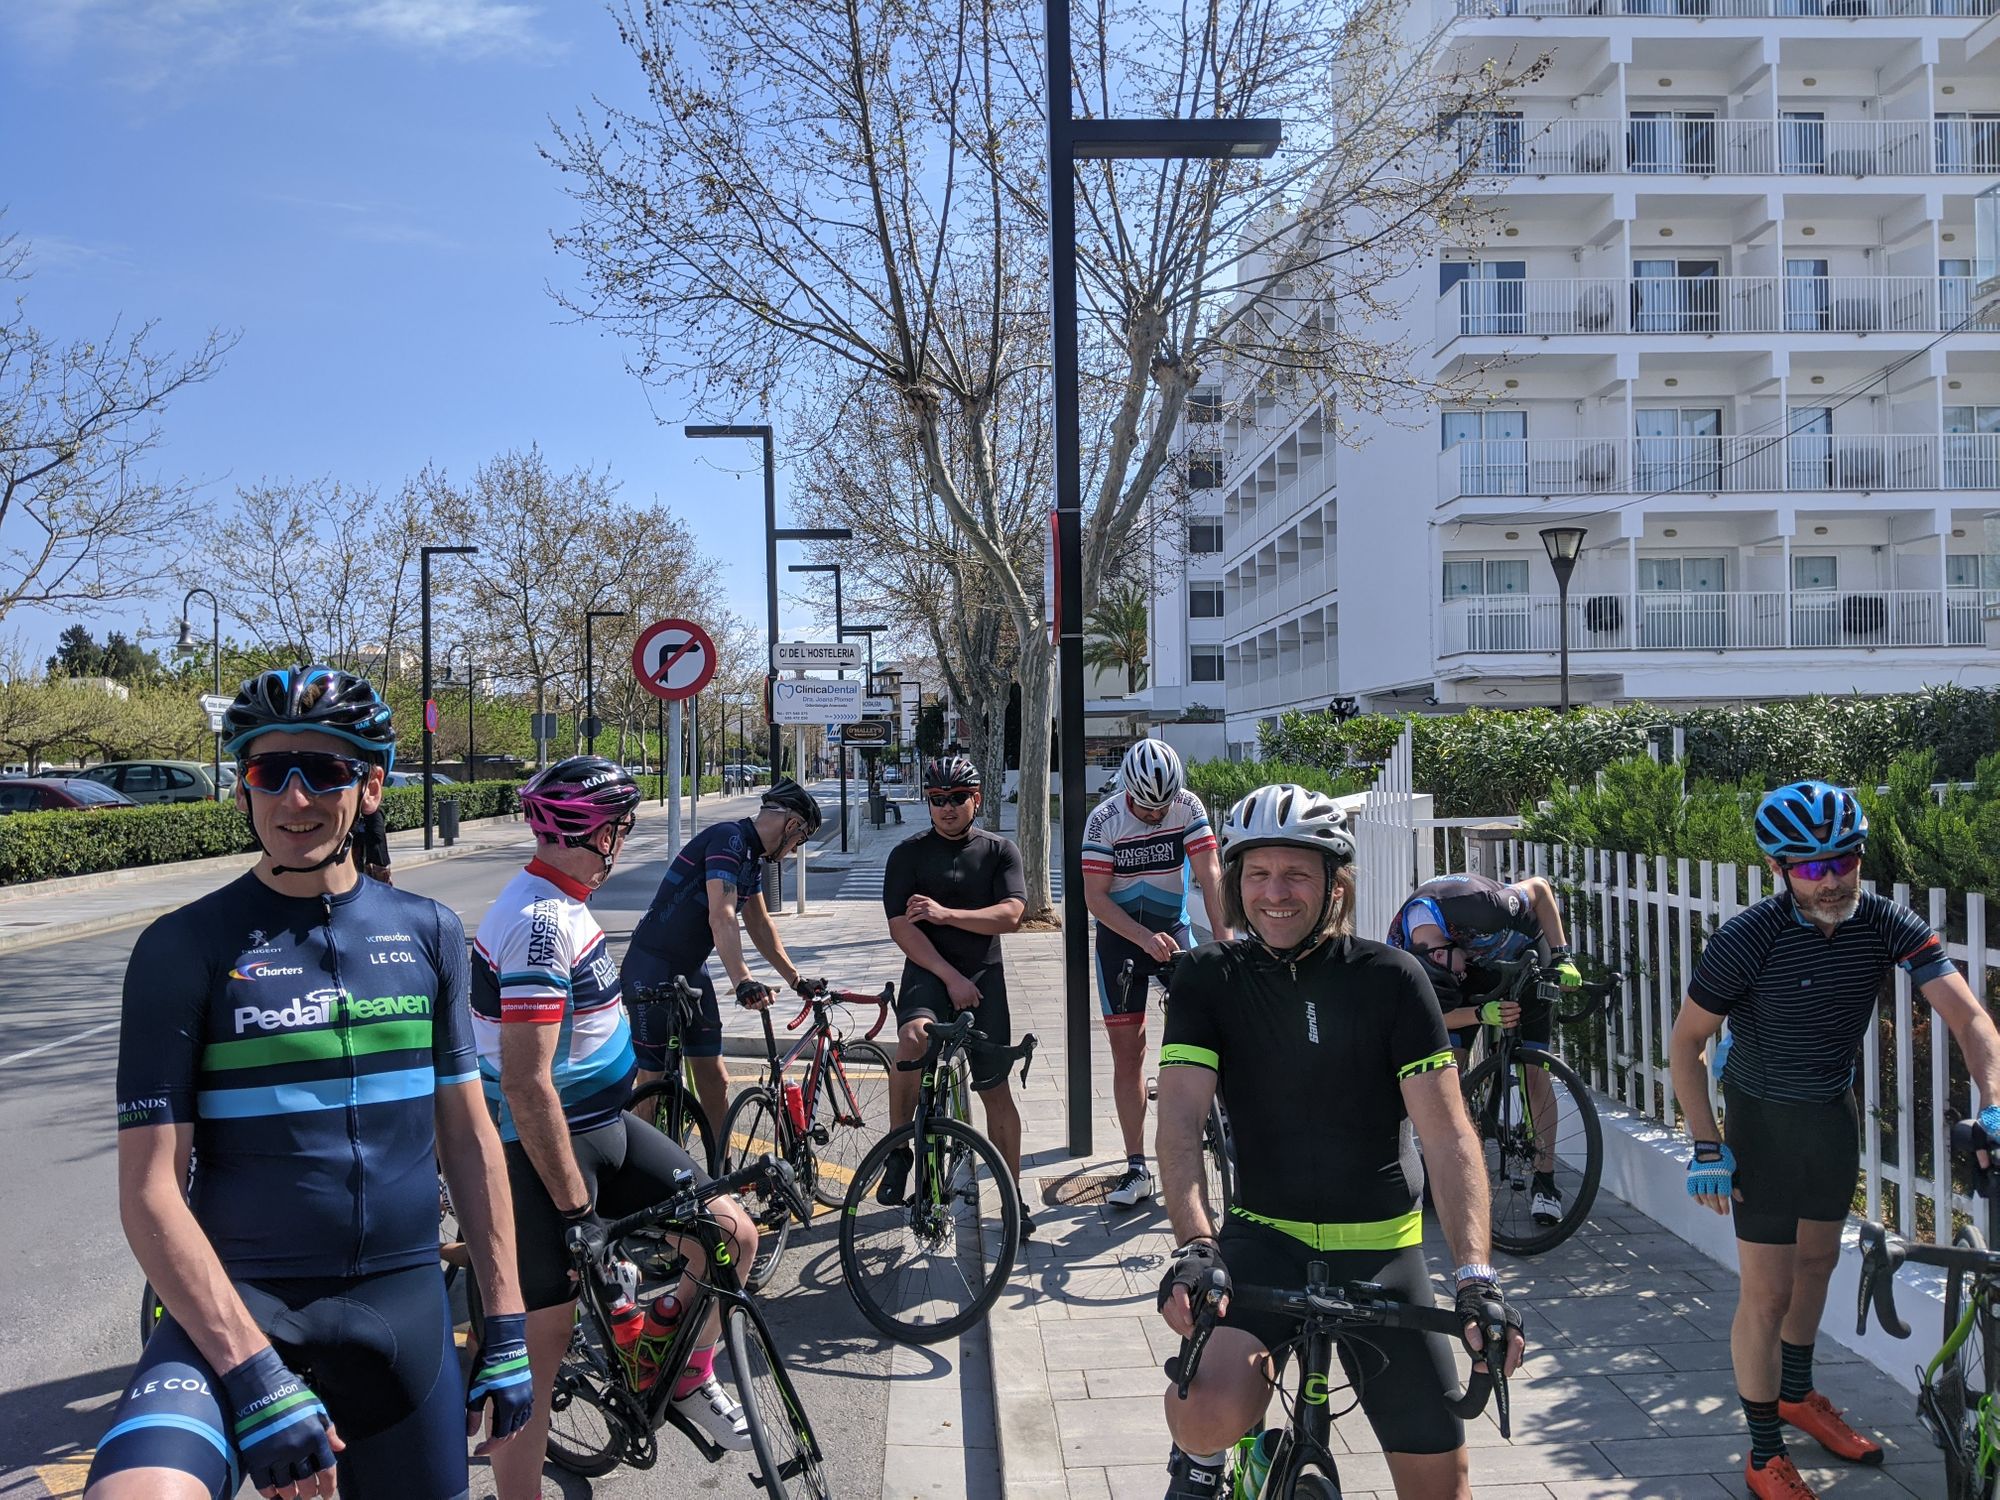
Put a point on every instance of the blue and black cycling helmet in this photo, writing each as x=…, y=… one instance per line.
x=1810, y=820
x=287, y=700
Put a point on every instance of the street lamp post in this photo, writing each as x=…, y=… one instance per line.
x=1072, y=140
x=834, y=569
x=471, y=764
x=186, y=644
x=424, y=555
x=590, y=619
x=1564, y=544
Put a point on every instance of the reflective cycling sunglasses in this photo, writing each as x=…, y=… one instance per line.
x=319, y=772
x=1820, y=869
x=949, y=799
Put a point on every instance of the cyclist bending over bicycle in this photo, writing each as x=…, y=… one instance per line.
x=1305, y=1015
x=1458, y=924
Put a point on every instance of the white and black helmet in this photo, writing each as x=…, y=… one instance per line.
x=1287, y=814
x=1150, y=774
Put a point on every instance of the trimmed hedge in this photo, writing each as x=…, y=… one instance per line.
x=650, y=785
x=1222, y=783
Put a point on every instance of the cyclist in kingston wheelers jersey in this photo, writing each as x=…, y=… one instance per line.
x=304, y=1030
x=1138, y=846
x=1798, y=977
x=1327, y=1049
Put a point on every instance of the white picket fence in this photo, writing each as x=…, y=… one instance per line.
x=1645, y=917
x=1385, y=820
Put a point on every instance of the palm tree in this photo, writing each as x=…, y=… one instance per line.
x=1117, y=635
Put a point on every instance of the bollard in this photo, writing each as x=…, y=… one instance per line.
x=447, y=813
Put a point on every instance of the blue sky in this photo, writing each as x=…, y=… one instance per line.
x=354, y=185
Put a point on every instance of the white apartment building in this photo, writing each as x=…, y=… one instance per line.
x=1729, y=323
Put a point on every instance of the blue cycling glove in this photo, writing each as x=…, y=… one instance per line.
x=500, y=1375
x=1712, y=1170
x=278, y=1424
x=1989, y=1121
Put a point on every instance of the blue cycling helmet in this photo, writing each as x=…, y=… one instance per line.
x=286, y=700
x=1810, y=820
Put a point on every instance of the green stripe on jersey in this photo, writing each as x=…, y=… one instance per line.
x=1198, y=1057
x=314, y=1046
x=1429, y=1064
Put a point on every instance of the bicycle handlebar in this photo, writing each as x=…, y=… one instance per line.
x=960, y=1032
x=687, y=1199
x=1883, y=1253
x=817, y=991
x=1518, y=975
x=677, y=992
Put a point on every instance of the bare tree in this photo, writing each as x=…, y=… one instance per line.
x=82, y=515
x=300, y=556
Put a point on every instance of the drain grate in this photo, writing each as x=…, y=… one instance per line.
x=1079, y=1190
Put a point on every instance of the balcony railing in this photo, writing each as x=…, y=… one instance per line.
x=1511, y=147
x=1715, y=621
x=1747, y=9
x=1544, y=307
x=1744, y=464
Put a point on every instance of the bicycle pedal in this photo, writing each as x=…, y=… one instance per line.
x=1152, y=1090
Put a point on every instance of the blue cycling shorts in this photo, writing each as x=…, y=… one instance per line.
x=702, y=1036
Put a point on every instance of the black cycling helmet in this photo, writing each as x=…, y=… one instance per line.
x=1450, y=987
x=951, y=773
x=788, y=796
x=286, y=700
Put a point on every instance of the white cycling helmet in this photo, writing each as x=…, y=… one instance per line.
x=1150, y=773
x=1287, y=814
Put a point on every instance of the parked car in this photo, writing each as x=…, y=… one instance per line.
x=416, y=778
x=738, y=775
x=156, y=780
x=57, y=793
x=892, y=775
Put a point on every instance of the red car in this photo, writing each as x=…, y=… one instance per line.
x=56, y=793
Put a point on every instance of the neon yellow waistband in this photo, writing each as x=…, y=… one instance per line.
x=1398, y=1233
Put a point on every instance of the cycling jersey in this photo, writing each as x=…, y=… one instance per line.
x=304, y=1039
x=1798, y=1001
x=1493, y=923
x=1147, y=862
x=541, y=960
x=675, y=926
x=1310, y=1057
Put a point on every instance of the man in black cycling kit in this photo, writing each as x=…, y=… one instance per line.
x=717, y=877
x=303, y=1031
x=1456, y=925
x=1327, y=1048
x=1798, y=977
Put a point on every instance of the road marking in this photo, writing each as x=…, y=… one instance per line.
x=51, y=1046
x=65, y=1481
x=739, y=1141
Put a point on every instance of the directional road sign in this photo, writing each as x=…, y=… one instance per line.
x=815, y=700
x=867, y=732
x=215, y=705
x=878, y=704
x=673, y=659
x=810, y=656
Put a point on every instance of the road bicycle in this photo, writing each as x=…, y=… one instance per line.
x=1956, y=1399
x=1533, y=1114
x=928, y=1264
x=608, y=1403
x=668, y=1103
x=1218, y=1144
x=821, y=1125
x=1300, y=1463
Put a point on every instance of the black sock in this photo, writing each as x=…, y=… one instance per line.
x=1137, y=1163
x=1796, y=1382
x=1767, y=1433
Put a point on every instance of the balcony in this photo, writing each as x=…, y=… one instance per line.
x=1751, y=463
x=1782, y=10
x=1550, y=307
x=1508, y=147
x=1499, y=624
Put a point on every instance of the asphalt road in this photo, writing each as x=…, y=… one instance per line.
x=69, y=1333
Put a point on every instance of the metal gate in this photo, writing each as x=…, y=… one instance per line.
x=1385, y=839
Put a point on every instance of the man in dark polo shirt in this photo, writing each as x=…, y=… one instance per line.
x=949, y=894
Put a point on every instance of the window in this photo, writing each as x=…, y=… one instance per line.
x=1676, y=296
x=176, y=778
x=1486, y=575
x=1968, y=142
x=1667, y=140
x=1490, y=138
x=1972, y=447
x=1204, y=406
x=87, y=792
x=1489, y=293
x=1204, y=471
x=1808, y=295
x=1204, y=666
x=1492, y=450
x=1205, y=601
x=15, y=799
x=1810, y=574
x=1970, y=570
x=1204, y=536
x=140, y=779
x=1679, y=448
x=1802, y=141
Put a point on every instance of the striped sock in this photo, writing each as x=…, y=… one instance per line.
x=1797, y=1381
x=1767, y=1433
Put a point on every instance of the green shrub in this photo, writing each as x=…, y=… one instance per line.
x=403, y=806
x=1648, y=808
x=1916, y=836
x=650, y=785
x=1222, y=783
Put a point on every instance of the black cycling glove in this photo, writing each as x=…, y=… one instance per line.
x=1196, y=1265
x=278, y=1423
x=752, y=991
x=1482, y=1304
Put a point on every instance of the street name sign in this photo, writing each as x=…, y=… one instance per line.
x=879, y=704
x=815, y=656
x=215, y=705
x=808, y=700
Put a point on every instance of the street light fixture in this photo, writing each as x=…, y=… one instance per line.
x=424, y=556
x=1070, y=141
x=1564, y=545
x=590, y=619
x=186, y=645
x=471, y=763
x=834, y=569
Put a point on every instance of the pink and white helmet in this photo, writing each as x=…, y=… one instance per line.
x=574, y=798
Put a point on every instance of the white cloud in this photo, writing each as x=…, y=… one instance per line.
x=483, y=25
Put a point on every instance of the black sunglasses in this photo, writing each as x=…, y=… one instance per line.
x=319, y=772
x=949, y=799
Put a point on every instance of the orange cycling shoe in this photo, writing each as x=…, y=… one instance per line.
x=1777, y=1480
x=1819, y=1420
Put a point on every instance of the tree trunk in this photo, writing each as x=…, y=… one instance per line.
x=1032, y=812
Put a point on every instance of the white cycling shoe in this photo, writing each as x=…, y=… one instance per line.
x=1547, y=1205
x=1134, y=1188
x=716, y=1413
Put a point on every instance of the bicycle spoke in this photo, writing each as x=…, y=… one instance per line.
x=1535, y=1129
x=851, y=1126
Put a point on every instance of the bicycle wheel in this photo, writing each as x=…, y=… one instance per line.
x=780, y=1434
x=1218, y=1158
x=587, y=1431
x=151, y=1310
x=929, y=1267
x=1313, y=1485
x=753, y=1127
x=656, y=1104
x=840, y=1140
x=1950, y=1404
x=1525, y=1132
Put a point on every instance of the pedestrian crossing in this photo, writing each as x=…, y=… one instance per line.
x=864, y=883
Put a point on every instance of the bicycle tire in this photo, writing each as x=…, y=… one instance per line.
x=754, y=1126
x=781, y=1435
x=151, y=1310
x=909, y=1255
x=1952, y=1400
x=573, y=1441
x=1313, y=1485
x=1218, y=1153
x=1578, y=1149
x=655, y=1105
x=868, y=1068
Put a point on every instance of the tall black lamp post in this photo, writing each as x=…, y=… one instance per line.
x=590, y=619
x=1070, y=141
x=424, y=556
x=186, y=646
x=834, y=569
x=451, y=651
x=1565, y=545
